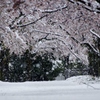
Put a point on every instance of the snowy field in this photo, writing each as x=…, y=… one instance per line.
x=75, y=88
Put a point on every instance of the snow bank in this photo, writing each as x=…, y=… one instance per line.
x=71, y=89
x=83, y=79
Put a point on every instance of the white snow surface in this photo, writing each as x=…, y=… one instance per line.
x=74, y=88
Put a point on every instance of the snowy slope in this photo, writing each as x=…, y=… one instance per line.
x=75, y=88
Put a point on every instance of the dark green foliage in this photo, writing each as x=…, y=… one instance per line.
x=43, y=68
x=15, y=68
x=94, y=59
x=4, y=60
x=78, y=68
x=98, y=1
x=71, y=68
x=27, y=67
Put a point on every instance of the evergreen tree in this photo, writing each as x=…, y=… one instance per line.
x=73, y=68
x=94, y=59
x=44, y=69
x=27, y=67
x=4, y=61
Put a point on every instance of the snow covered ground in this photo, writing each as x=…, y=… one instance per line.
x=74, y=88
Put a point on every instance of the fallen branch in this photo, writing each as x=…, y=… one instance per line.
x=91, y=86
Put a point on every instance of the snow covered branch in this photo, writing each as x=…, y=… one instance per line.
x=54, y=10
x=94, y=33
x=23, y=25
x=72, y=52
x=90, y=46
x=18, y=37
x=92, y=6
x=39, y=31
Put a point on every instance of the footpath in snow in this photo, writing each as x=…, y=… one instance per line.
x=74, y=88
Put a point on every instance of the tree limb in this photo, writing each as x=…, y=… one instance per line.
x=90, y=46
x=89, y=8
x=71, y=51
x=23, y=25
x=94, y=33
x=84, y=4
x=35, y=30
x=54, y=10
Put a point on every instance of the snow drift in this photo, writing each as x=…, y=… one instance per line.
x=74, y=88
